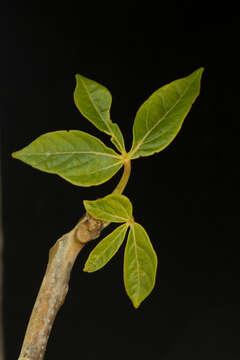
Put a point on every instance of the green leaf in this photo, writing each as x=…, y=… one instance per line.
x=106, y=249
x=140, y=265
x=114, y=208
x=76, y=156
x=94, y=101
x=160, y=117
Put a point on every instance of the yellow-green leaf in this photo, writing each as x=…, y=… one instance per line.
x=106, y=249
x=93, y=101
x=114, y=208
x=140, y=265
x=76, y=156
x=160, y=117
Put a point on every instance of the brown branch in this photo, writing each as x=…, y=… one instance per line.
x=1, y=280
x=54, y=286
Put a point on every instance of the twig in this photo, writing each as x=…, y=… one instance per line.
x=54, y=287
x=1, y=272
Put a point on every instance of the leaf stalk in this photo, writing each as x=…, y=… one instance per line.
x=125, y=177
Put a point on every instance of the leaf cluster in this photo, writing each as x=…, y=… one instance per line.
x=84, y=160
x=140, y=259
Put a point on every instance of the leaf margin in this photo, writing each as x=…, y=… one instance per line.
x=115, y=155
x=109, y=127
x=123, y=231
x=137, y=303
x=88, y=203
x=133, y=150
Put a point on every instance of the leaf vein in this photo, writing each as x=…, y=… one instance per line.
x=108, y=122
x=137, y=261
x=105, y=168
x=162, y=118
x=109, y=245
x=90, y=97
x=72, y=152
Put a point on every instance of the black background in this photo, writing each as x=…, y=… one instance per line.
x=186, y=197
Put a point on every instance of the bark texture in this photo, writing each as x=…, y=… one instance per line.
x=1, y=272
x=1, y=289
x=54, y=286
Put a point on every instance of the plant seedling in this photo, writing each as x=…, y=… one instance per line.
x=84, y=160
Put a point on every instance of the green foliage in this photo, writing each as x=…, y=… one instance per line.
x=78, y=157
x=106, y=249
x=160, y=117
x=114, y=208
x=140, y=265
x=94, y=101
x=84, y=160
x=140, y=259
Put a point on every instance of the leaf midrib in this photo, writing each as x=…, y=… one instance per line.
x=138, y=266
x=72, y=153
x=105, y=168
x=124, y=228
x=115, y=216
x=162, y=118
x=124, y=208
x=100, y=115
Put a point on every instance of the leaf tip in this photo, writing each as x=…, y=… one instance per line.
x=85, y=204
x=85, y=269
x=14, y=155
x=136, y=304
x=200, y=70
x=89, y=269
